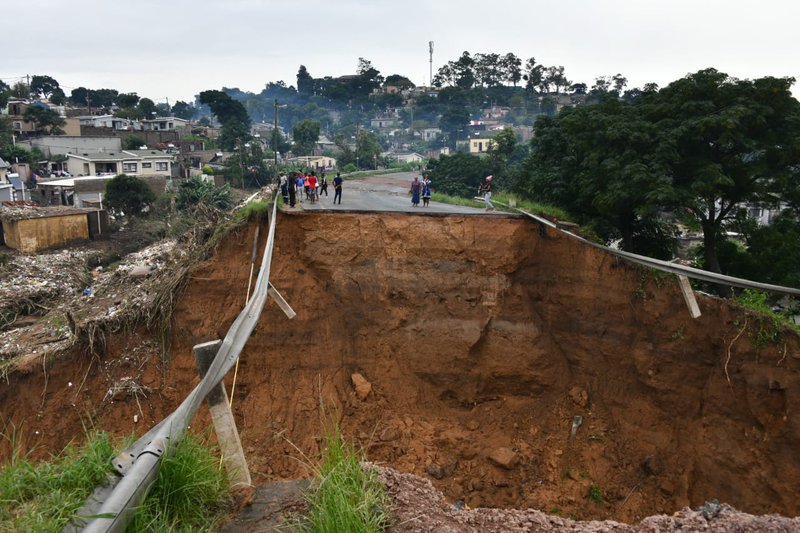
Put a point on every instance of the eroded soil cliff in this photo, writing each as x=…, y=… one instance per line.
x=481, y=339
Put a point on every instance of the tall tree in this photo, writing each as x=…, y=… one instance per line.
x=183, y=110
x=231, y=114
x=147, y=108
x=305, y=83
x=43, y=85
x=533, y=75
x=127, y=100
x=605, y=164
x=512, y=68
x=306, y=135
x=44, y=119
x=734, y=141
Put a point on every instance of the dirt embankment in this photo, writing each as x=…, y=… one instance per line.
x=481, y=341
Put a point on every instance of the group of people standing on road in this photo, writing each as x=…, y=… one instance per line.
x=299, y=184
x=420, y=189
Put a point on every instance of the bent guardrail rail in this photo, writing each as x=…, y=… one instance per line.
x=666, y=266
x=139, y=464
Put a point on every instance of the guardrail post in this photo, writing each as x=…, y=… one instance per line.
x=688, y=296
x=224, y=424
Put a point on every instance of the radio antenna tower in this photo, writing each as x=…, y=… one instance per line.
x=430, y=50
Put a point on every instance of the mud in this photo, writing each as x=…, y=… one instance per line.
x=480, y=342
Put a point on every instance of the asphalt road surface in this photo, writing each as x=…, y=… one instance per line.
x=386, y=192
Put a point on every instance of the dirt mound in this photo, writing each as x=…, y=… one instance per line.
x=478, y=344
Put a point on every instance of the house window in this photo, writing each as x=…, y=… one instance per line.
x=129, y=167
x=163, y=167
x=18, y=126
x=147, y=165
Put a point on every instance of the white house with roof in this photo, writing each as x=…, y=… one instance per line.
x=164, y=124
x=108, y=121
x=130, y=162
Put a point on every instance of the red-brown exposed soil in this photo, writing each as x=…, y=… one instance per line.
x=480, y=337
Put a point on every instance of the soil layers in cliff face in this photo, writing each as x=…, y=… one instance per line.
x=461, y=349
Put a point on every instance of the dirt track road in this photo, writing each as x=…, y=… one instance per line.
x=387, y=192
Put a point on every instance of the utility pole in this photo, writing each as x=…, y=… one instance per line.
x=430, y=51
x=275, y=136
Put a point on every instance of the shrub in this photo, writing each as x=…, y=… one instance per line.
x=128, y=194
x=348, y=168
x=197, y=190
x=207, y=170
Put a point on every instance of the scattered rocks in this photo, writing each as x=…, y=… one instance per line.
x=362, y=386
x=504, y=458
x=472, y=425
x=389, y=434
x=436, y=471
x=579, y=396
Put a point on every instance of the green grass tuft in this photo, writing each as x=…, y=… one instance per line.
x=258, y=210
x=346, y=496
x=189, y=494
x=44, y=496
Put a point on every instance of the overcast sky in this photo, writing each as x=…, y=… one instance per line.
x=176, y=48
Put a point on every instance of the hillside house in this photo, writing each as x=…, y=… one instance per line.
x=130, y=162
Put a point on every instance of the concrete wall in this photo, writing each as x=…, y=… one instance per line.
x=35, y=234
x=60, y=145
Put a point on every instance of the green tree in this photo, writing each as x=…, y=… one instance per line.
x=305, y=83
x=57, y=97
x=231, y=114
x=248, y=166
x=368, y=150
x=733, y=141
x=5, y=92
x=79, y=96
x=306, y=135
x=132, y=142
x=459, y=174
x=43, y=85
x=128, y=194
x=44, y=119
x=605, y=164
x=147, y=107
x=183, y=110
x=128, y=100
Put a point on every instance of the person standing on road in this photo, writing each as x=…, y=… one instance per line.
x=323, y=185
x=292, y=183
x=416, y=188
x=311, y=183
x=486, y=189
x=284, y=188
x=426, y=191
x=337, y=188
x=300, y=185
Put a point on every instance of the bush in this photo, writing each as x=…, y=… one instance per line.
x=197, y=190
x=129, y=195
x=348, y=168
x=207, y=170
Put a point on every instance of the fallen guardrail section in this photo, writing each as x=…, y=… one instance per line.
x=139, y=464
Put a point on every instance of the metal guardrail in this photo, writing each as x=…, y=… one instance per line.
x=666, y=266
x=139, y=464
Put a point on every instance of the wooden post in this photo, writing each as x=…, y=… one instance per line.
x=688, y=296
x=224, y=425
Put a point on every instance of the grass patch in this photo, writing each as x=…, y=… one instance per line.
x=44, y=496
x=257, y=210
x=771, y=323
x=190, y=493
x=595, y=494
x=345, y=496
x=535, y=208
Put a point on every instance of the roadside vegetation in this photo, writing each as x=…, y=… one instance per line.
x=43, y=496
x=345, y=494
